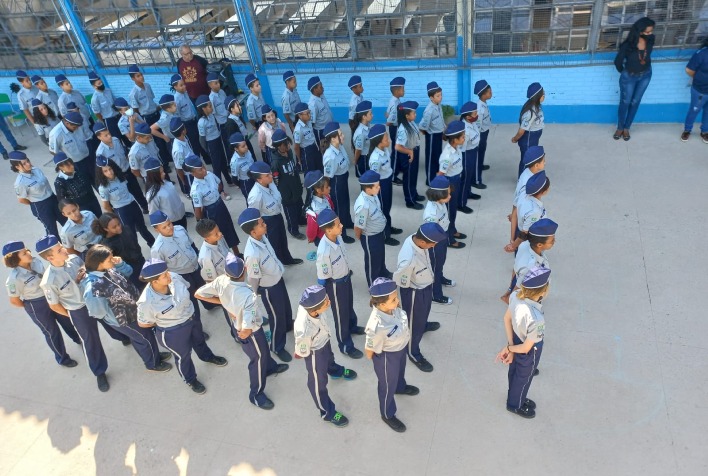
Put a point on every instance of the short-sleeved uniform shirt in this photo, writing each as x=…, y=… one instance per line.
x=180, y=151
x=266, y=200
x=472, y=135
x=115, y=152
x=262, y=264
x=50, y=98
x=303, y=134
x=409, y=141
x=142, y=99
x=238, y=299
x=414, y=268
x=116, y=193
x=361, y=139
x=353, y=103
x=380, y=162
x=33, y=186
x=176, y=251
x=24, y=283
x=332, y=262
x=102, y=103
x=485, y=118
x=432, y=120
x=212, y=259
x=241, y=165
x=521, y=185
x=185, y=107
x=321, y=112
x=45, y=129
x=526, y=258
x=25, y=96
x=311, y=333
x=79, y=236
x=368, y=214
x=60, y=286
x=139, y=153
x=166, y=310
x=532, y=121
x=254, y=107
x=288, y=101
x=73, y=144
x=451, y=160
x=208, y=127
x=205, y=192
x=78, y=99
x=527, y=320
x=335, y=161
x=167, y=201
x=164, y=123
x=435, y=212
x=392, y=111
x=218, y=100
x=529, y=210
x=124, y=122
x=387, y=332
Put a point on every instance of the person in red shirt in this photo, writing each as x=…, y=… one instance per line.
x=193, y=69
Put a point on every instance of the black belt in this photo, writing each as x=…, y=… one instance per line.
x=345, y=279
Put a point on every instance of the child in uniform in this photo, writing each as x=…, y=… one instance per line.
x=319, y=108
x=44, y=120
x=397, y=86
x=369, y=227
x=530, y=121
x=307, y=147
x=357, y=97
x=235, y=123
x=380, y=162
x=255, y=102
x=470, y=155
x=181, y=149
x=408, y=152
x=451, y=167
x=360, y=136
x=432, y=125
x=290, y=99
x=336, y=168
x=186, y=112
x=241, y=163
x=210, y=137
x=484, y=92
x=287, y=179
x=72, y=184
x=270, y=124
x=102, y=104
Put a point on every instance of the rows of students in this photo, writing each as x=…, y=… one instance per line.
x=178, y=273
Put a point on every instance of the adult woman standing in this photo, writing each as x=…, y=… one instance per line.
x=633, y=62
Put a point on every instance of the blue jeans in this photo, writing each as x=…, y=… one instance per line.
x=8, y=135
x=699, y=102
x=632, y=87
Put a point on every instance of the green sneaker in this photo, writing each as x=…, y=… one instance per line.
x=348, y=374
x=339, y=420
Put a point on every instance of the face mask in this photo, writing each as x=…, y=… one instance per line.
x=129, y=112
x=474, y=119
x=101, y=87
x=650, y=35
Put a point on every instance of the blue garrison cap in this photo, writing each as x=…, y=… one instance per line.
x=301, y=107
x=36, y=103
x=279, y=136
x=153, y=268
x=152, y=163
x=248, y=215
x=71, y=106
x=408, y=106
x=376, y=130
x=143, y=129
x=60, y=78
x=382, y=287
x=12, y=247
x=98, y=127
x=17, y=155
x=74, y=118
x=369, y=177
x=313, y=296
x=46, y=243
x=21, y=74
x=533, y=154
x=287, y=75
x=469, y=106
x=455, y=128
x=536, y=182
x=92, y=76
x=157, y=218
x=312, y=82
x=101, y=161
x=202, y=100
x=193, y=161
x=326, y=216
x=120, y=102
x=166, y=99
x=35, y=79
x=433, y=86
x=260, y=167
x=330, y=128
x=543, y=227
x=480, y=86
x=398, y=81
x=133, y=68
x=176, y=78
x=439, y=182
x=229, y=101
x=354, y=80
x=176, y=125
x=250, y=79
x=312, y=177
x=234, y=266
x=363, y=106
x=236, y=138
x=533, y=89
x=60, y=157
x=266, y=109
x=433, y=232
x=537, y=277
x=212, y=77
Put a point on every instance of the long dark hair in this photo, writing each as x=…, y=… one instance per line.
x=96, y=255
x=153, y=183
x=374, y=143
x=533, y=104
x=101, y=178
x=636, y=31
x=40, y=118
x=315, y=188
x=401, y=115
x=354, y=124
x=98, y=227
x=326, y=142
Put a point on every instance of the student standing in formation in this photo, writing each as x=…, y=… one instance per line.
x=290, y=99
x=432, y=126
x=534, y=162
x=181, y=149
x=217, y=96
x=270, y=124
x=265, y=197
x=26, y=93
x=239, y=301
x=102, y=104
x=207, y=197
x=336, y=168
x=142, y=100
x=235, y=123
x=287, y=180
x=110, y=147
x=357, y=97
x=162, y=195
x=24, y=291
x=484, y=92
x=241, y=163
x=397, y=86
x=312, y=343
x=525, y=327
x=334, y=272
x=369, y=227
x=121, y=241
x=187, y=112
x=69, y=95
x=72, y=184
x=318, y=191
x=408, y=153
x=265, y=276
x=143, y=148
x=70, y=138
x=45, y=94
x=127, y=122
x=166, y=304
x=451, y=167
x=254, y=102
x=380, y=162
x=307, y=147
x=210, y=137
x=360, y=136
x=436, y=212
x=116, y=197
x=91, y=141
x=415, y=277
x=60, y=284
x=32, y=188
x=531, y=253
x=387, y=336
x=319, y=108
x=161, y=129
x=44, y=120
x=470, y=155
x=77, y=234
x=530, y=121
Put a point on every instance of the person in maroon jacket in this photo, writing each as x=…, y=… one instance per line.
x=193, y=69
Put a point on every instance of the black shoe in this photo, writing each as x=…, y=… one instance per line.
x=348, y=240
x=299, y=236
x=420, y=198
x=206, y=336
x=358, y=331
x=348, y=374
x=147, y=212
x=450, y=283
x=392, y=242
x=524, y=411
x=294, y=262
x=395, y=424
x=422, y=364
x=125, y=342
x=6, y=156
x=536, y=372
x=414, y=206
x=71, y=363
x=189, y=215
x=485, y=167
x=279, y=369
x=103, y=384
x=530, y=404
x=474, y=196
x=339, y=420
x=218, y=361
x=457, y=245
x=397, y=181
x=354, y=354
x=465, y=210
x=267, y=405
x=432, y=326
x=284, y=355
x=197, y=387
x=479, y=186
x=396, y=231
x=165, y=356
x=460, y=236
x=161, y=367
x=20, y=147
x=443, y=300
x=410, y=390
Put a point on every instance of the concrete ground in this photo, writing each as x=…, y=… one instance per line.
x=623, y=373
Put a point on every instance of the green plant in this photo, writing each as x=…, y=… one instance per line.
x=448, y=111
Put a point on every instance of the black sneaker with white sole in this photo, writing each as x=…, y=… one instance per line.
x=443, y=300
x=197, y=387
x=524, y=411
x=450, y=283
x=395, y=424
x=422, y=364
x=161, y=367
x=218, y=361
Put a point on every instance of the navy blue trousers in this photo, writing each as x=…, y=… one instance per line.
x=87, y=328
x=246, y=186
x=319, y=135
x=469, y=162
x=390, y=368
x=341, y=296
x=278, y=238
x=219, y=163
x=438, y=256
x=280, y=314
x=386, y=198
x=88, y=167
x=132, y=216
x=410, y=175
x=47, y=212
x=218, y=212
x=340, y=198
x=527, y=140
x=144, y=342
x=180, y=340
x=135, y=189
x=48, y=322
x=311, y=158
x=193, y=137
x=433, y=149
x=395, y=161
x=521, y=374
x=452, y=206
x=481, y=154
x=293, y=214
x=374, y=256
x=320, y=364
x=260, y=365
x=417, y=304
x=362, y=165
